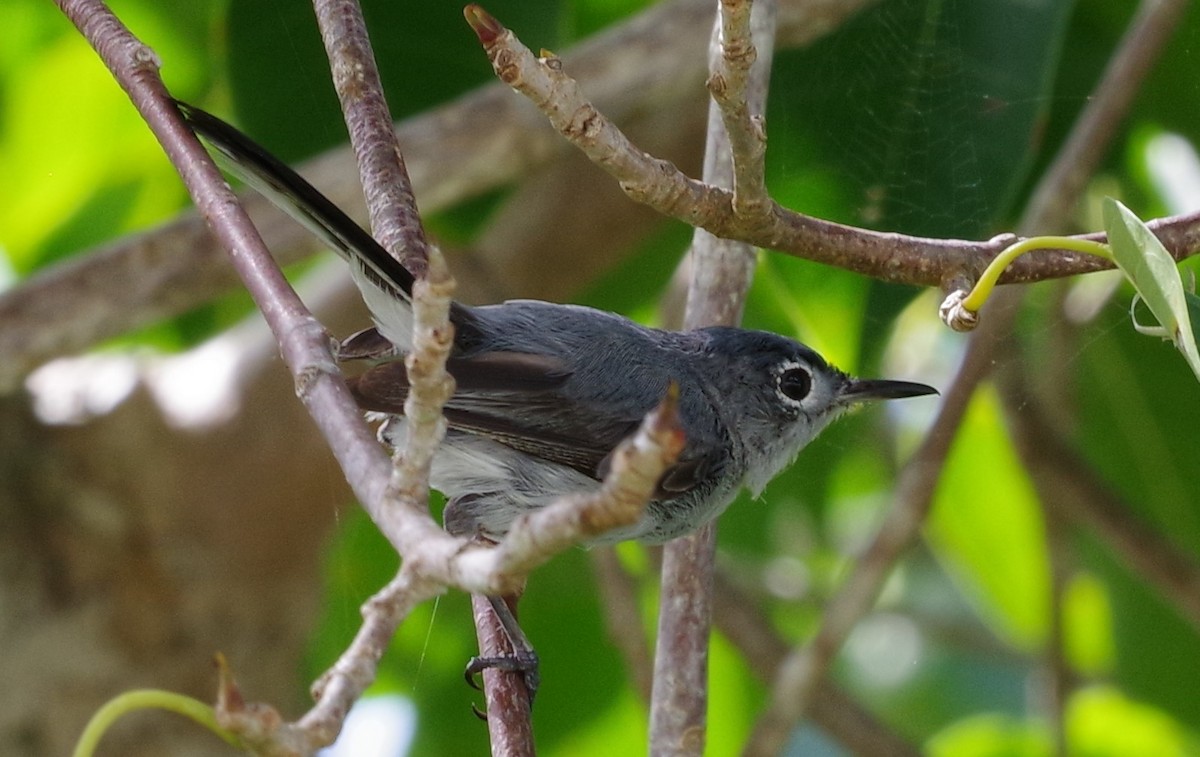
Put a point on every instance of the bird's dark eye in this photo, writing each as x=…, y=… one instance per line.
x=795, y=383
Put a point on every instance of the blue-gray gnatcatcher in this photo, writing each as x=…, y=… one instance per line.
x=545, y=392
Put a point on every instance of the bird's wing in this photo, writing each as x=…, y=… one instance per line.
x=548, y=425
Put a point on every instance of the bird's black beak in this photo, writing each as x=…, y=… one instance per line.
x=862, y=390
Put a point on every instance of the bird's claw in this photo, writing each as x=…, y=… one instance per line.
x=521, y=661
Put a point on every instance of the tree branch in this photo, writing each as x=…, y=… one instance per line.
x=884, y=255
x=721, y=274
x=395, y=221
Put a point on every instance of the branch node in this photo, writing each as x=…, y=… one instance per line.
x=954, y=315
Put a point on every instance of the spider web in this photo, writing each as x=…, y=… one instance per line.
x=921, y=106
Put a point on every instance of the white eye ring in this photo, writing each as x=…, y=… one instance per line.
x=794, y=383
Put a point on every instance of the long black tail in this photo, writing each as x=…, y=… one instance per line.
x=251, y=163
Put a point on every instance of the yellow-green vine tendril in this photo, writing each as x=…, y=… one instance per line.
x=960, y=309
x=983, y=288
x=142, y=699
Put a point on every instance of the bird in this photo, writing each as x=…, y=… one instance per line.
x=544, y=392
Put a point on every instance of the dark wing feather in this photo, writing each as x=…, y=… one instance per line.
x=582, y=453
x=384, y=387
x=549, y=426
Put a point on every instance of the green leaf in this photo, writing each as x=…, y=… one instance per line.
x=1103, y=721
x=1152, y=271
x=991, y=736
x=985, y=507
x=1193, y=305
x=426, y=54
x=1088, y=640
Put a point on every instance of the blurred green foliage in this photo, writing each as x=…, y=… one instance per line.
x=918, y=116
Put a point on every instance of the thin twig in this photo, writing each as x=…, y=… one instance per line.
x=741, y=110
x=721, y=274
x=340, y=687
x=801, y=672
x=430, y=386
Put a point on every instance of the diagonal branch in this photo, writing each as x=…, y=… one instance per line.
x=304, y=344
x=835, y=711
x=1067, y=485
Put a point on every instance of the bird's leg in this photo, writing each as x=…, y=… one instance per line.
x=522, y=659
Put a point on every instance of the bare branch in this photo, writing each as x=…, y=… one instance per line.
x=394, y=218
x=341, y=686
x=659, y=184
x=679, y=693
x=507, y=697
x=721, y=274
x=741, y=109
x=305, y=346
x=430, y=387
